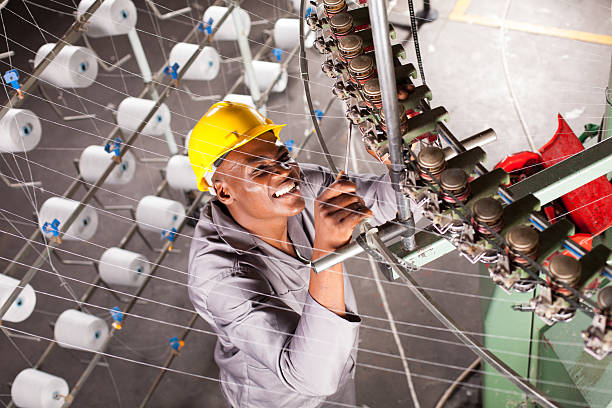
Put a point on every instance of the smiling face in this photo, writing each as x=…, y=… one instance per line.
x=259, y=180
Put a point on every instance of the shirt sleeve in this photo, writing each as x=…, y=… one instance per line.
x=307, y=353
x=376, y=190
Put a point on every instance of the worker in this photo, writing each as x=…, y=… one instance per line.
x=287, y=336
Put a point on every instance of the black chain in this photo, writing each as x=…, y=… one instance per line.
x=414, y=28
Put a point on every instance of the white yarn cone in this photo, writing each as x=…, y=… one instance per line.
x=179, y=173
x=95, y=160
x=73, y=67
x=84, y=227
x=23, y=306
x=20, y=131
x=226, y=31
x=37, y=389
x=206, y=66
x=132, y=111
x=266, y=72
x=113, y=17
x=157, y=214
x=287, y=34
x=121, y=267
x=77, y=330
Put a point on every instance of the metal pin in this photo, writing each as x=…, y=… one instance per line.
x=348, y=149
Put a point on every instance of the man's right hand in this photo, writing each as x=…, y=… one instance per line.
x=337, y=211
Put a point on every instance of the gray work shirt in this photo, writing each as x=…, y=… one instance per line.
x=277, y=347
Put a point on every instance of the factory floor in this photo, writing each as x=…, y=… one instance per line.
x=463, y=64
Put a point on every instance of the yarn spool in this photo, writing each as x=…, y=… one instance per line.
x=20, y=131
x=83, y=228
x=226, y=30
x=179, y=173
x=122, y=267
x=132, y=111
x=206, y=66
x=23, y=306
x=80, y=331
x=37, y=389
x=113, y=17
x=95, y=160
x=159, y=214
x=72, y=67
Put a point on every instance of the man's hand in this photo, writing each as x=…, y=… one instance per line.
x=337, y=212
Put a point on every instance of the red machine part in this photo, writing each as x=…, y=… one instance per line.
x=589, y=206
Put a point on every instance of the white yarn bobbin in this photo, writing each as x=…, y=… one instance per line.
x=72, y=67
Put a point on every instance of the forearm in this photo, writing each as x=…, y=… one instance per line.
x=327, y=287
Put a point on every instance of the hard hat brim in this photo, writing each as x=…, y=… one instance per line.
x=250, y=135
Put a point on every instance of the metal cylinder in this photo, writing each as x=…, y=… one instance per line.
x=431, y=159
x=564, y=269
x=525, y=239
x=403, y=120
x=604, y=299
x=350, y=46
x=362, y=68
x=333, y=7
x=371, y=89
x=488, y=211
x=455, y=181
x=341, y=24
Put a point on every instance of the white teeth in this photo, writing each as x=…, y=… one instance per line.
x=286, y=190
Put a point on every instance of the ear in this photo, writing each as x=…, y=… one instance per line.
x=224, y=193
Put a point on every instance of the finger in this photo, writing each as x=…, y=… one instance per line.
x=352, y=209
x=337, y=188
x=344, y=200
x=353, y=218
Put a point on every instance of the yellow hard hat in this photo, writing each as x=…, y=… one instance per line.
x=226, y=126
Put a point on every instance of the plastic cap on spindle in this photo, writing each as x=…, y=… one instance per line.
x=604, y=298
x=488, y=209
x=362, y=64
x=565, y=269
x=522, y=238
x=453, y=179
x=350, y=44
x=431, y=157
x=341, y=23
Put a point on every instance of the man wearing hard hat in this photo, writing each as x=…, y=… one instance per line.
x=287, y=336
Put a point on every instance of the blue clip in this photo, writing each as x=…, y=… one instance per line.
x=278, y=53
x=175, y=344
x=309, y=11
x=115, y=148
x=170, y=236
x=318, y=113
x=11, y=77
x=172, y=71
x=117, y=316
x=52, y=227
x=206, y=26
x=289, y=145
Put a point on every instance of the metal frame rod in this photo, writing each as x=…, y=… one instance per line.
x=458, y=331
x=94, y=360
x=386, y=77
x=27, y=277
x=168, y=363
x=69, y=37
x=98, y=280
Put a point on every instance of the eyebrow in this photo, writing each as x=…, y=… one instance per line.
x=256, y=159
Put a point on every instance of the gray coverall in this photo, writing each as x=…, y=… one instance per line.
x=277, y=347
